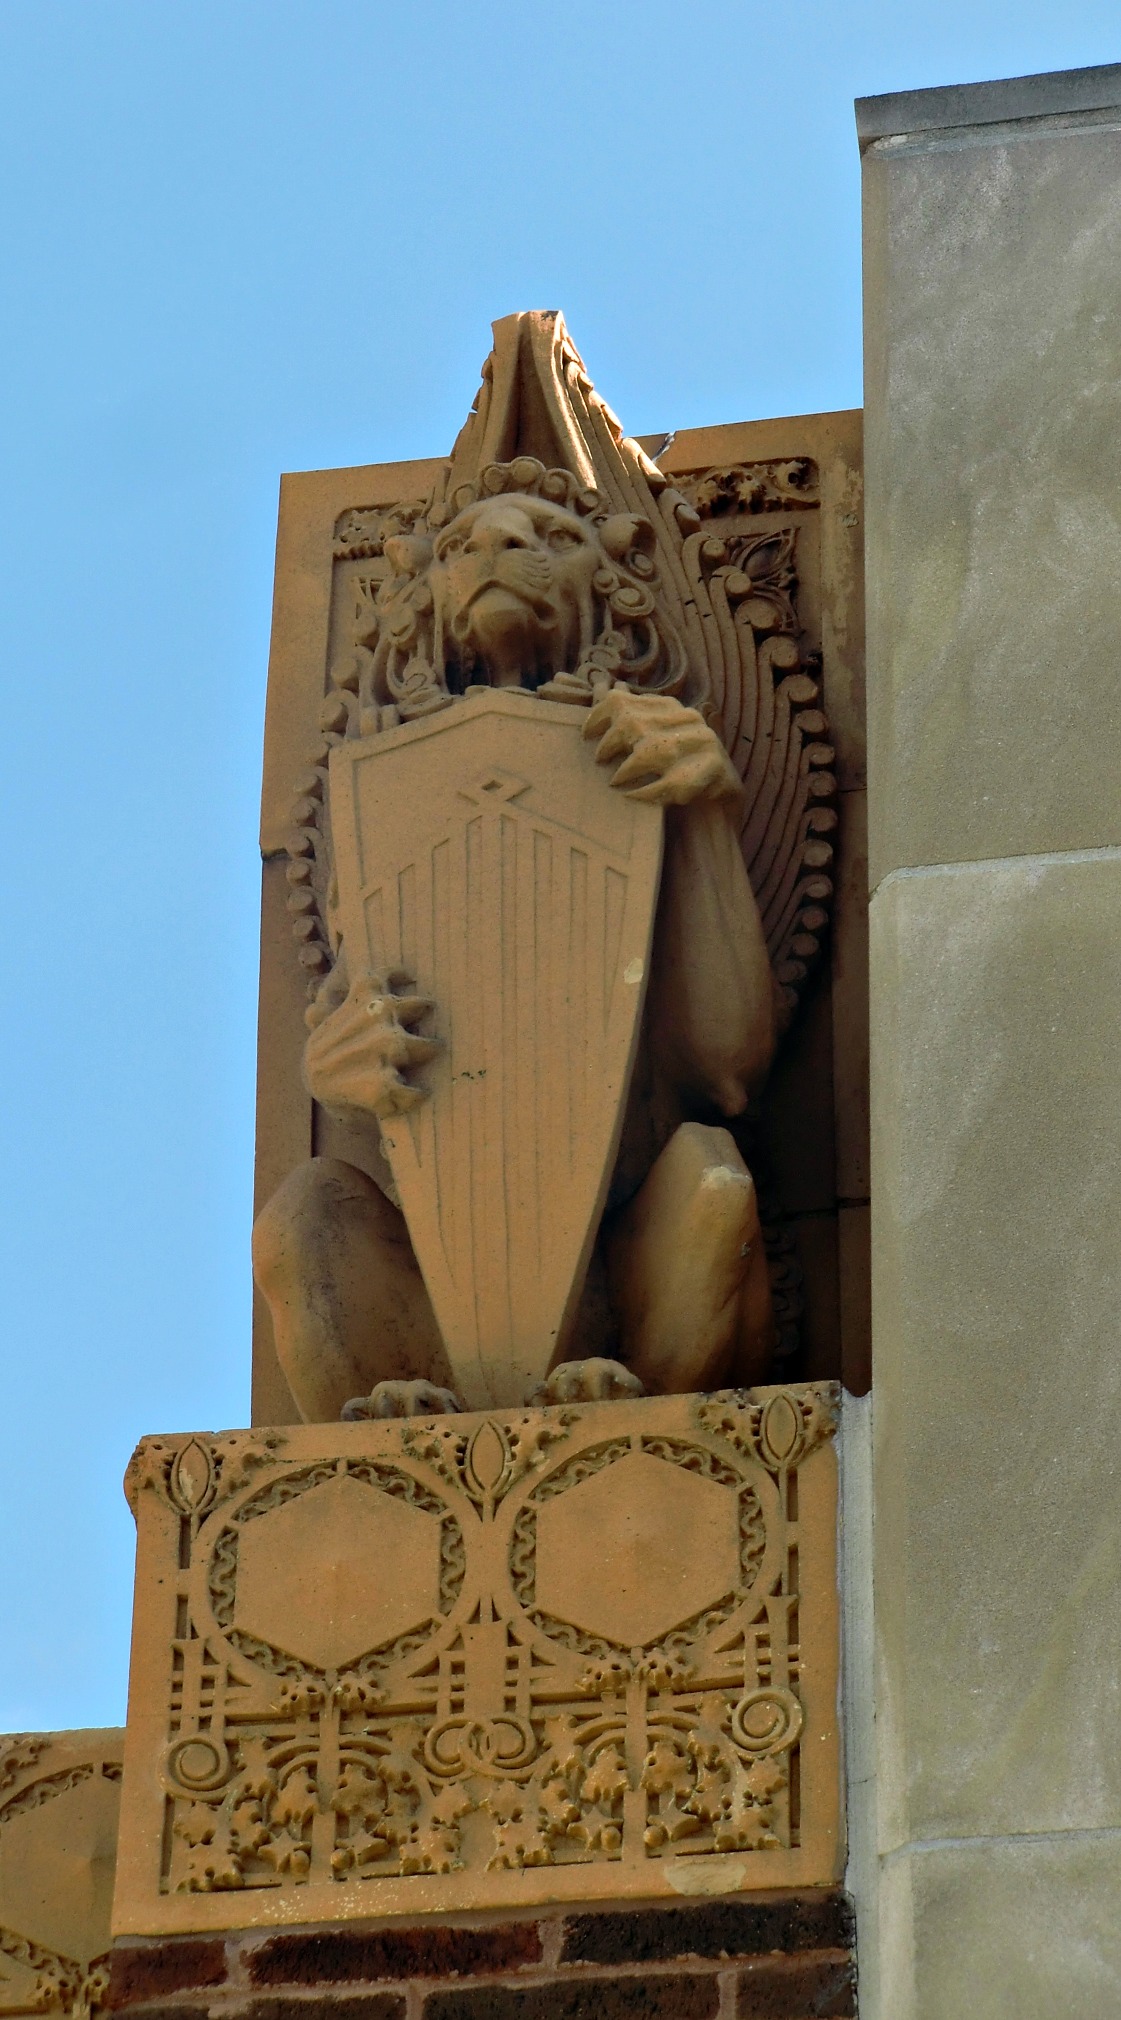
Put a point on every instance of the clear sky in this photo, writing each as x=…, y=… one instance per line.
x=247, y=236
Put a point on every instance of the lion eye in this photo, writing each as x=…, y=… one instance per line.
x=559, y=536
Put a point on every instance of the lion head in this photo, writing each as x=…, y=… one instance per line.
x=521, y=580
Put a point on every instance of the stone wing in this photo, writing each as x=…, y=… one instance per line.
x=729, y=603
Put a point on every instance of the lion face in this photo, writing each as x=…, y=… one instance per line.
x=519, y=580
x=512, y=578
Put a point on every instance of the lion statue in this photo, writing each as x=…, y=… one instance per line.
x=549, y=573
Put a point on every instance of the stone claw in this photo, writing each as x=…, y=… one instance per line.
x=400, y=1399
x=592, y=1381
x=669, y=753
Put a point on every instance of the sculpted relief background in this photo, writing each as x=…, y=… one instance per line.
x=530, y=692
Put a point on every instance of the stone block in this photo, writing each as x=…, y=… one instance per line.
x=996, y=1284
x=993, y=417
x=1024, y=1926
x=59, y=1797
x=492, y=1736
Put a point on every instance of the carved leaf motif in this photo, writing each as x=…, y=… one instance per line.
x=19, y=1752
x=557, y=1807
x=802, y=1418
x=780, y=1431
x=520, y=1844
x=607, y=1780
x=487, y=1457
x=433, y=1849
x=191, y=1476
x=285, y=1854
x=196, y=1823
x=505, y=1802
x=666, y=1770
x=710, y=1798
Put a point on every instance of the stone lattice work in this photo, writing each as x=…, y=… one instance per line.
x=420, y=1665
x=59, y=1798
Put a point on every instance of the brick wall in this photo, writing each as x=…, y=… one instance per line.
x=777, y=1957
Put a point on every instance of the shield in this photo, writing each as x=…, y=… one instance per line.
x=483, y=852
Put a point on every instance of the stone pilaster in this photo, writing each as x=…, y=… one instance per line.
x=993, y=444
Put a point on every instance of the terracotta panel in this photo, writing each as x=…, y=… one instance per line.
x=59, y=1798
x=332, y=1756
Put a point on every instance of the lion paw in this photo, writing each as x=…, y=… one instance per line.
x=592, y=1381
x=400, y=1399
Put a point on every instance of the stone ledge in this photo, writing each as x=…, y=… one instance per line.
x=1050, y=95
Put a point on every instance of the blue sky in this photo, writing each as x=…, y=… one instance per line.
x=242, y=238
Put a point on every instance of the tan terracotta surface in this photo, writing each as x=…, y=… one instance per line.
x=419, y=1666
x=59, y=1798
x=411, y=587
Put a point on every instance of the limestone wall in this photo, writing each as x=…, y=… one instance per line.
x=993, y=447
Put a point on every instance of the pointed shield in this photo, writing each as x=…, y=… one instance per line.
x=483, y=852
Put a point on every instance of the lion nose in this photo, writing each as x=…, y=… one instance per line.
x=493, y=540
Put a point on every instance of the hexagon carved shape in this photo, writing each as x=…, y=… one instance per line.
x=56, y=1868
x=637, y=1548
x=336, y=1571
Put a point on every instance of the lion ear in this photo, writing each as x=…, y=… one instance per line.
x=625, y=532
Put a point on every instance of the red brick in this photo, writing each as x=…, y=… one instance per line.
x=821, y=1920
x=580, y=1998
x=328, y=2006
x=339, y=1956
x=156, y=1970
x=796, y=1988
x=171, y=2008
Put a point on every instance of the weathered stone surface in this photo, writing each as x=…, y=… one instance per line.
x=1012, y=1926
x=993, y=417
x=515, y=1742
x=1048, y=94
x=997, y=1277
x=993, y=377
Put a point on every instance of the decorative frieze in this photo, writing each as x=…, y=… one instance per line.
x=413, y=1666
